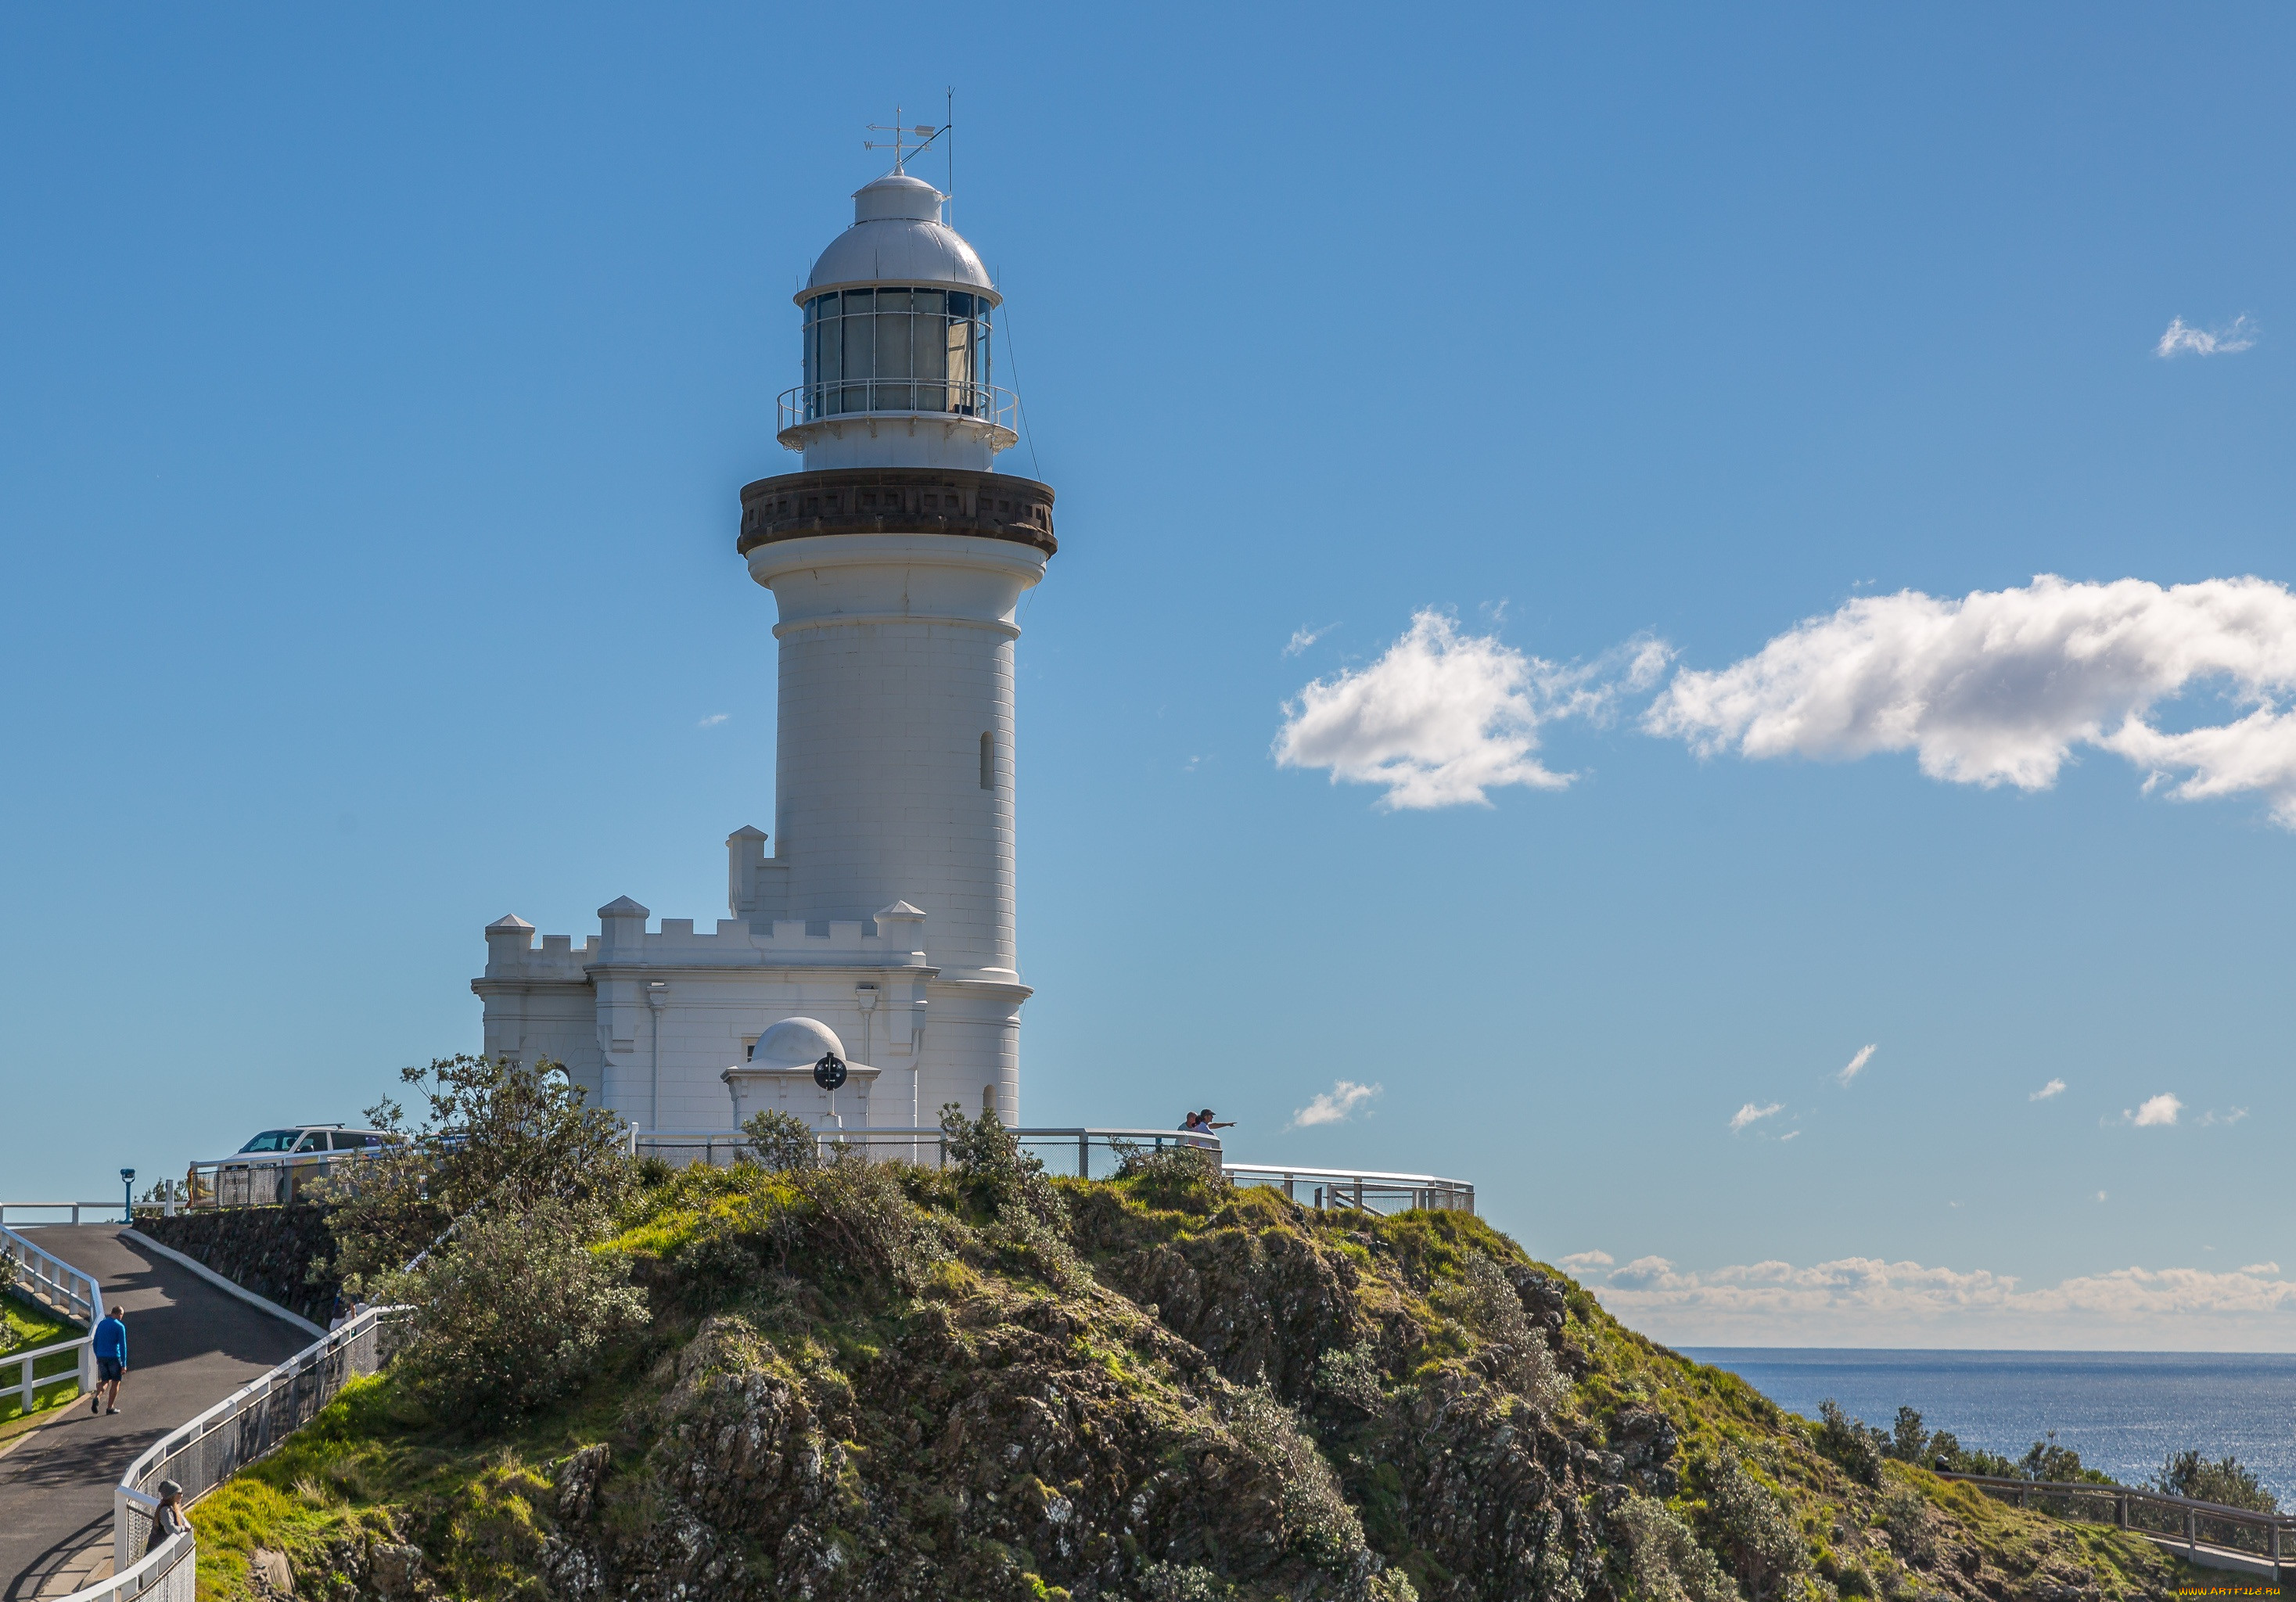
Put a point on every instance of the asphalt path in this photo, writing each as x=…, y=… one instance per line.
x=189, y=1346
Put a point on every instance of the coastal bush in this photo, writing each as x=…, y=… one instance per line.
x=1351, y=1375
x=1664, y=1561
x=1178, y=1176
x=1851, y=1442
x=783, y=1142
x=1485, y=1298
x=515, y=1312
x=991, y=1170
x=494, y=1134
x=2187, y=1473
x=1749, y=1526
x=1317, y=1521
x=2046, y=1460
x=1906, y=1515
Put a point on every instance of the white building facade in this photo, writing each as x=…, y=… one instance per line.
x=876, y=921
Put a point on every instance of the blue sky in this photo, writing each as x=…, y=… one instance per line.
x=377, y=388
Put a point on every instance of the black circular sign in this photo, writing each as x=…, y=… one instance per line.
x=830, y=1072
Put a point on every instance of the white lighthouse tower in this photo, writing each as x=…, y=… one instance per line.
x=881, y=924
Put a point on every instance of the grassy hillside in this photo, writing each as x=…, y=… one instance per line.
x=892, y=1383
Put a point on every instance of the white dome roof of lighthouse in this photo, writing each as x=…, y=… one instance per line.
x=897, y=237
x=795, y=1043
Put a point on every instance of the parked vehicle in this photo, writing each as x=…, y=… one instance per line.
x=276, y=1166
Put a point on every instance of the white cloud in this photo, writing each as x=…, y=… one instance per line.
x=1301, y=638
x=2214, y=1118
x=2055, y=1086
x=1644, y=1272
x=1578, y=1260
x=713, y=721
x=1750, y=1114
x=2182, y=339
x=1856, y=1065
x=1334, y=1106
x=2155, y=1112
x=1443, y=716
x=2000, y=686
x=2100, y=1196
x=1795, y=1136
x=1864, y=1301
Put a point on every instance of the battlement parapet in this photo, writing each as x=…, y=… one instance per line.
x=894, y=938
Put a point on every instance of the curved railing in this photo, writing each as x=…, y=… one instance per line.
x=1364, y=1189
x=1071, y=1149
x=49, y=1280
x=1087, y=1153
x=942, y=400
x=2207, y=1533
x=73, y=1293
x=247, y=1425
x=167, y=1573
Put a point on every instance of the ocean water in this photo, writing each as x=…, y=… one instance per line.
x=2123, y=1412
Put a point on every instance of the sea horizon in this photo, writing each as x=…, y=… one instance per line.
x=2123, y=1410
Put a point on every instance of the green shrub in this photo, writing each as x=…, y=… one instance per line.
x=1853, y=1443
x=2226, y=1481
x=1351, y=1375
x=1906, y=1515
x=1748, y=1525
x=991, y=1170
x=1485, y=1298
x=1664, y=1561
x=1317, y=1521
x=784, y=1143
x=513, y=1314
x=494, y=1134
x=1177, y=1177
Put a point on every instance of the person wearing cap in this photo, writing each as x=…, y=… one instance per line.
x=110, y=1351
x=1205, y=1125
x=167, y=1520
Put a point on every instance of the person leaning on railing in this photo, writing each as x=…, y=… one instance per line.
x=167, y=1520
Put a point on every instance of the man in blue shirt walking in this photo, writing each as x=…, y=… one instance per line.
x=110, y=1361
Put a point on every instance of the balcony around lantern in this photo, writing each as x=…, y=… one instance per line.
x=984, y=412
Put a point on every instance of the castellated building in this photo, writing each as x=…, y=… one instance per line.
x=875, y=923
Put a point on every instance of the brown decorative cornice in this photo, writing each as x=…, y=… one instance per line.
x=896, y=500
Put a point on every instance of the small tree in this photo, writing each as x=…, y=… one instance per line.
x=1910, y=1440
x=1851, y=1442
x=515, y=1312
x=2227, y=1480
x=494, y=1134
x=784, y=1143
x=1751, y=1527
x=994, y=1171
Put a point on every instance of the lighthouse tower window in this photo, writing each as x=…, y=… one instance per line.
x=896, y=350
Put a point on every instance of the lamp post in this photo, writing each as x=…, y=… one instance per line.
x=128, y=1204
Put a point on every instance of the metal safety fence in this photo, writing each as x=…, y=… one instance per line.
x=1088, y=1153
x=247, y=1425
x=2203, y=1531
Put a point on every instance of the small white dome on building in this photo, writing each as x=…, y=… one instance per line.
x=897, y=237
x=795, y=1043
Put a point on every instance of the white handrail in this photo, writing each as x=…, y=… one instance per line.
x=29, y=1384
x=203, y=1453
x=72, y=1292
x=169, y=1573
x=74, y=1208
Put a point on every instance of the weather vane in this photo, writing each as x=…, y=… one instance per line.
x=924, y=133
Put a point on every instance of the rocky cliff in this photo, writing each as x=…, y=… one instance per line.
x=1156, y=1389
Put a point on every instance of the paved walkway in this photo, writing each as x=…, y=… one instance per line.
x=189, y=1346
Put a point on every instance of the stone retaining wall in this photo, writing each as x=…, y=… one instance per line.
x=267, y=1250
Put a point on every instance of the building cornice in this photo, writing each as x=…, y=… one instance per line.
x=896, y=500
